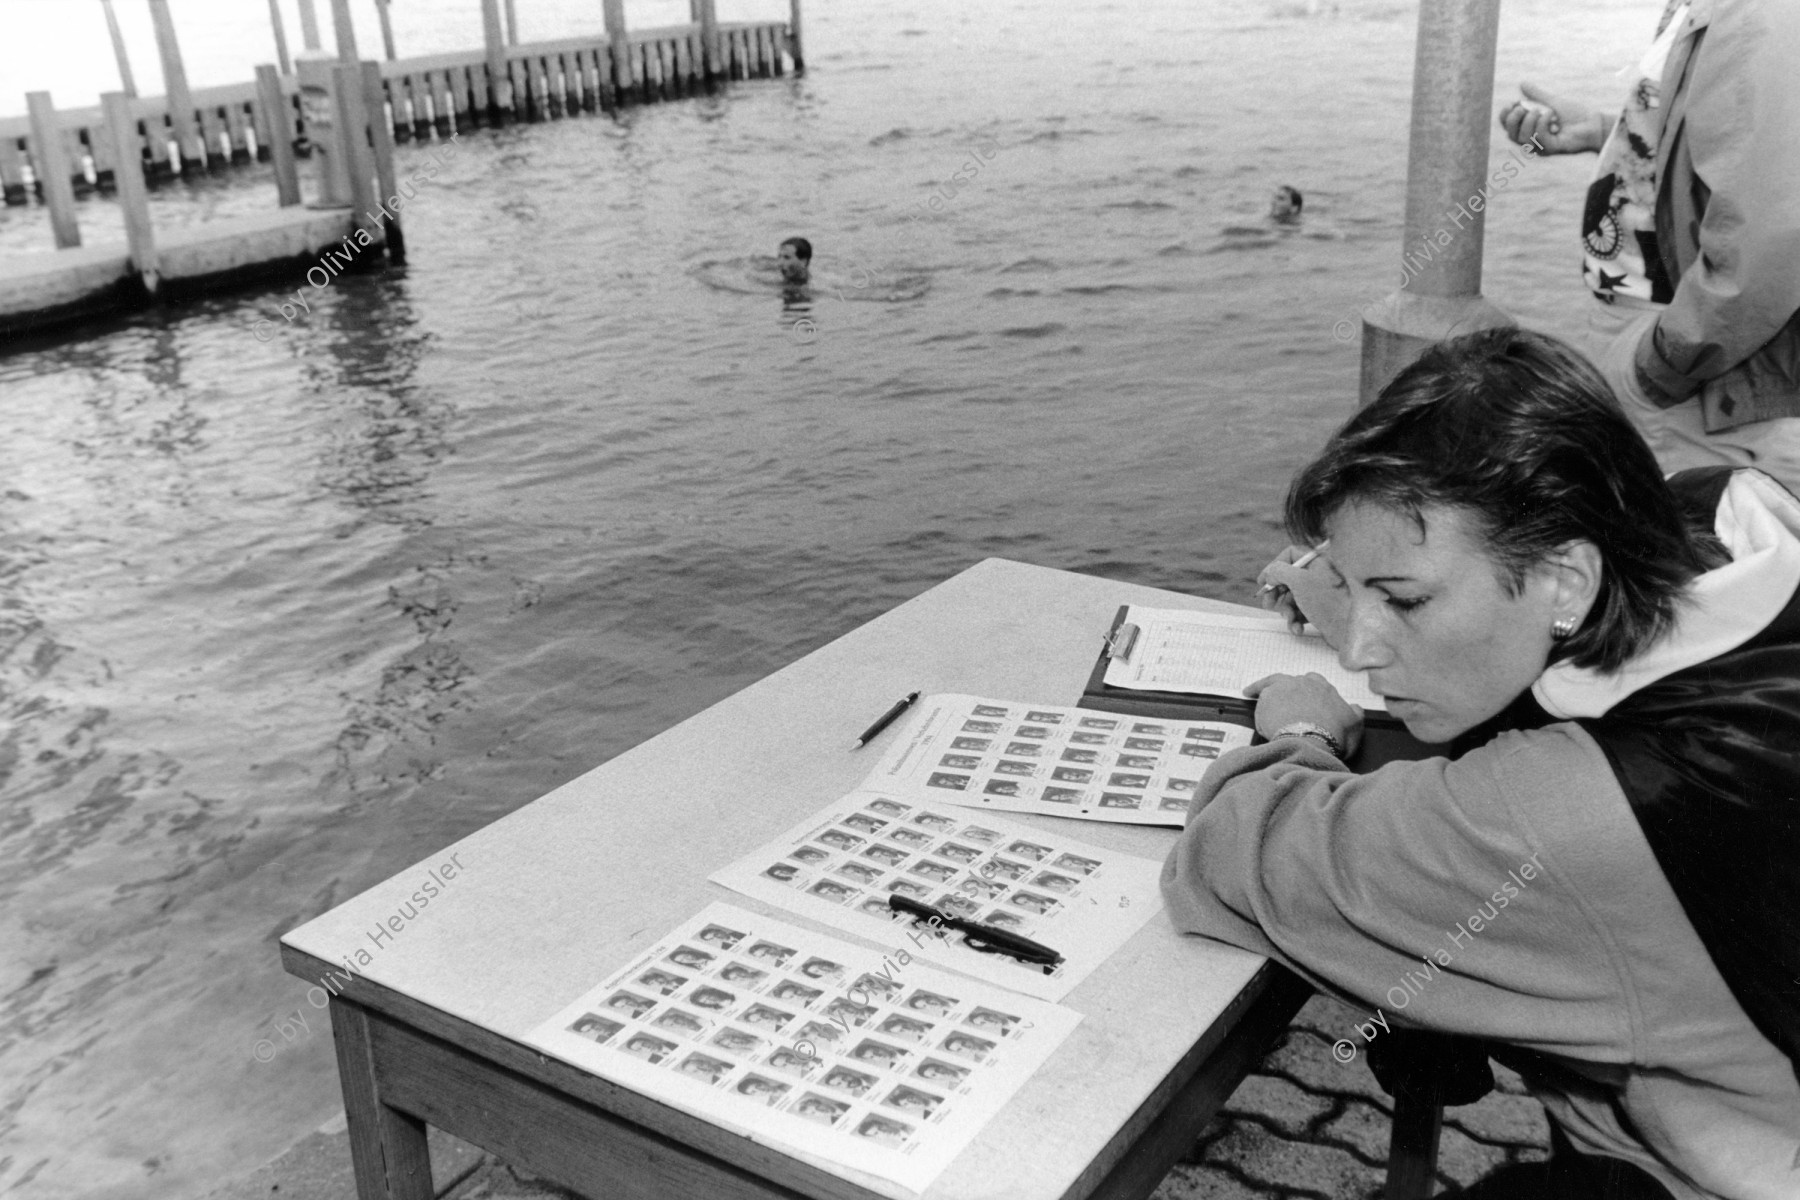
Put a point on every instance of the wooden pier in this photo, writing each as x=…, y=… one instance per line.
x=442, y=92
x=129, y=143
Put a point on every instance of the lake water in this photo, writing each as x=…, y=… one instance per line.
x=280, y=617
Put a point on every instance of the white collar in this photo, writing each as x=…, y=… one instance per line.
x=1759, y=522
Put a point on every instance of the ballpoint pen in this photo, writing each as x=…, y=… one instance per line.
x=884, y=720
x=1022, y=948
x=1300, y=564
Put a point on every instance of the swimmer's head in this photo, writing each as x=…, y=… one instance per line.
x=1285, y=205
x=794, y=258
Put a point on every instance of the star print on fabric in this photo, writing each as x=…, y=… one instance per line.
x=1610, y=283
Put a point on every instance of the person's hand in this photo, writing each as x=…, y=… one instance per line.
x=1554, y=124
x=1302, y=594
x=1282, y=700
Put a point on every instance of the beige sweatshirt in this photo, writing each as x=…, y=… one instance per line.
x=1507, y=895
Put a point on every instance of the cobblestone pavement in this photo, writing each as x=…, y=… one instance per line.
x=1305, y=1125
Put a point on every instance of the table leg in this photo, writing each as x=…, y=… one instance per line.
x=387, y=1146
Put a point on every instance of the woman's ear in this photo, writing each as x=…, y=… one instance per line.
x=1576, y=570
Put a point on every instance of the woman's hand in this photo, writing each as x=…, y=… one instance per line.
x=1554, y=124
x=1302, y=594
x=1282, y=700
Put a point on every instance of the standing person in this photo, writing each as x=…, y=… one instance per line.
x=1691, y=233
x=1598, y=879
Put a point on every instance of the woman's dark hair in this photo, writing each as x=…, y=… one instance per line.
x=1523, y=435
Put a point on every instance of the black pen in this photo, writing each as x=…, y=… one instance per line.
x=884, y=720
x=1007, y=943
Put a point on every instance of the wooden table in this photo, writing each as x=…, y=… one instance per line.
x=551, y=898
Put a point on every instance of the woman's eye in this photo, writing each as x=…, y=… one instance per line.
x=1405, y=604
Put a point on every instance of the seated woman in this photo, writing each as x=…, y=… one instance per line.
x=1603, y=874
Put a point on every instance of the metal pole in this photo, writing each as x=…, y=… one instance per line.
x=118, y=44
x=387, y=28
x=1446, y=194
x=309, y=25
x=128, y=176
x=345, y=29
x=799, y=55
x=281, y=49
x=175, y=86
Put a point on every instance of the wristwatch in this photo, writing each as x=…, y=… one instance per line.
x=1318, y=733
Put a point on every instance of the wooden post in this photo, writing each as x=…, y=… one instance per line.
x=1447, y=165
x=794, y=50
x=50, y=160
x=281, y=134
x=134, y=198
x=619, y=42
x=175, y=87
x=712, y=68
x=118, y=44
x=281, y=49
x=500, y=91
x=382, y=143
x=387, y=28
x=345, y=29
x=512, y=23
x=309, y=25
x=352, y=119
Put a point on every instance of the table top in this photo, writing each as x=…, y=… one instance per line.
x=539, y=906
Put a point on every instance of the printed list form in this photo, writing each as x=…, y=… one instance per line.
x=1216, y=654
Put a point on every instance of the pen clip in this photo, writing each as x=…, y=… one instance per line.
x=1119, y=645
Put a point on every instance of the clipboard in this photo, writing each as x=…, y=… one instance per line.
x=1385, y=738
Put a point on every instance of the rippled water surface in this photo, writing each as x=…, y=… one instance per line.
x=280, y=617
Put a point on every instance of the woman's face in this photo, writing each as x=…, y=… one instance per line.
x=1443, y=640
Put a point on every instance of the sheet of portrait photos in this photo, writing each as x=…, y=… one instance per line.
x=1063, y=762
x=850, y=1057
x=840, y=866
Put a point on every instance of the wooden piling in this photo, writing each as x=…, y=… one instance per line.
x=118, y=44
x=281, y=134
x=128, y=178
x=50, y=162
x=309, y=25
x=711, y=67
x=512, y=23
x=387, y=29
x=175, y=87
x=500, y=90
x=281, y=47
x=351, y=117
x=345, y=29
x=793, y=37
x=619, y=41
x=381, y=145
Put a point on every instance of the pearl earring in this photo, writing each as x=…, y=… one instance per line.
x=1562, y=628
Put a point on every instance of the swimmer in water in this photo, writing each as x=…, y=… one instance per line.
x=794, y=260
x=1285, y=205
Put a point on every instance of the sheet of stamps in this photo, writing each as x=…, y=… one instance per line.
x=840, y=866
x=1062, y=762
x=852, y=1058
